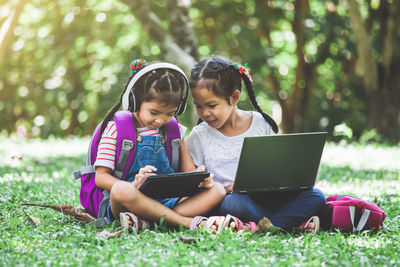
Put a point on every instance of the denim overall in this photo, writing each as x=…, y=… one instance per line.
x=150, y=151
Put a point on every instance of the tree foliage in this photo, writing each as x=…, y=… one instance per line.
x=315, y=64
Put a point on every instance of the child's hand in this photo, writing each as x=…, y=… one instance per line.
x=201, y=168
x=143, y=174
x=208, y=182
x=229, y=188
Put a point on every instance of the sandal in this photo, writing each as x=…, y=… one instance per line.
x=137, y=223
x=252, y=226
x=239, y=225
x=315, y=221
x=209, y=222
x=226, y=222
x=196, y=222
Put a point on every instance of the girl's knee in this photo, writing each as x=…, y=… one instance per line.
x=320, y=196
x=219, y=190
x=123, y=191
x=316, y=198
x=225, y=205
x=234, y=201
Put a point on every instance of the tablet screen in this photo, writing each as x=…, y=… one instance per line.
x=179, y=184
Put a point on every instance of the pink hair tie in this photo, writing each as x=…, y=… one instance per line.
x=136, y=64
x=244, y=70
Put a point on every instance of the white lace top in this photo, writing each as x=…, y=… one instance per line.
x=219, y=153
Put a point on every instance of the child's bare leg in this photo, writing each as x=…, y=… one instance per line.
x=202, y=202
x=125, y=197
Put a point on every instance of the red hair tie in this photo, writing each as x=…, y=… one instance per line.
x=244, y=70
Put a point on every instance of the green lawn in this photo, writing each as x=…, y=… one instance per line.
x=43, y=175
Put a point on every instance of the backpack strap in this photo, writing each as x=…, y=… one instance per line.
x=363, y=220
x=124, y=156
x=172, y=148
x=99, y=222
x=89, y=168
x=126, y=145
x=83, y=170
x=101, y=214
x=342, y=215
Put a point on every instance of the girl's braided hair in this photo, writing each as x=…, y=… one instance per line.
x=165, y=86
x=225, y=78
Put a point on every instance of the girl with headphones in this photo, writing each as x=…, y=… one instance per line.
x=155, y=94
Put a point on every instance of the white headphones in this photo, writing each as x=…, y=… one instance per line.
x=128, y=99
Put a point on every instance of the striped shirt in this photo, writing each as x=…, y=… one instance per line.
x=108, y=143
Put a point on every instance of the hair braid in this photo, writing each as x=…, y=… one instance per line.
x=253, y=100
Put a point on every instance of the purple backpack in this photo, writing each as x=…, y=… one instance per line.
x=351, y=214
x=94, y=199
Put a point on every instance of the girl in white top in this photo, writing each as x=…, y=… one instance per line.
x=215, y=85
x=154, y=97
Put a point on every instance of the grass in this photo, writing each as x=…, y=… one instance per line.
x=43, y=175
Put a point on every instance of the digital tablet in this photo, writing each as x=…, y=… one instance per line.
x=178, y=184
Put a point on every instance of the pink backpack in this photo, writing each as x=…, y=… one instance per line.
x=351, y=214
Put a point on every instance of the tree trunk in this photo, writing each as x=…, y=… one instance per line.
x=181, y=26
x=295, y=106
x=177, y=43
x=385, y=105
x=8, y=27
x=174, y=52
x=381, y=80
x=301, y=93
x=364, y=48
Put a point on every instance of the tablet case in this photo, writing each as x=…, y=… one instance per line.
x=179, y=184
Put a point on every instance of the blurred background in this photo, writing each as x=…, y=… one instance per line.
x=317, y=65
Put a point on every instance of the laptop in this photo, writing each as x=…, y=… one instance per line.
x=286, y=162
